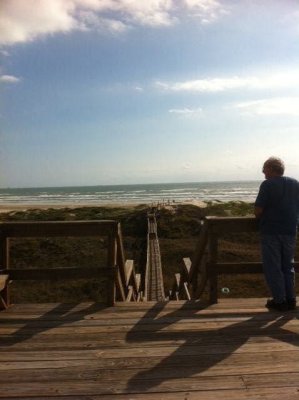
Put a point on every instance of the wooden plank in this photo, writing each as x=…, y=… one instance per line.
x=92, y=341
x=211, y=268
x=130, y=293
x=239, y=305
x=121, y=260
x=4, y=264
x=142, y=316
x=244, y=268
x=221, y=225
x=58, y=228
x=286, y=393
x=129, y=264
x=210, y=368
x=187, y=355
x=3, y=281
x=276, y=380
x=186, y=291
x=177, y=278
x=224, y=305
x=175, y=367
x=58, y=273
x=95, y=387
x=222, y=328
x=4, y=298
x=137, y=281
x=186, y=268
x=199, y=253
x=119, y=285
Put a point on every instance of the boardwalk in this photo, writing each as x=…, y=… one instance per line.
x=231, y=350
x=154, y=273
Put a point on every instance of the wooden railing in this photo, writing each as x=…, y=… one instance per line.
x=205, y=268
x=123, y=282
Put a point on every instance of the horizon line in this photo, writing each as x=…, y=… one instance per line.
x=126, y=184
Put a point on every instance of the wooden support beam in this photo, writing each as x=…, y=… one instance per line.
x=222, y=225
x=186, y=268
x=54, y=274
x=212, y=268
x=129, y=264
x=58, y=228
x=4, y=264
x=186, y=291
x=199, y=253
x=4, y=280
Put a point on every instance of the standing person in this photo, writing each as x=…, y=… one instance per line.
x=277, y=208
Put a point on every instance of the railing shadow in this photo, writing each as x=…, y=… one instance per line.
x=199, y=350
x=58, y=316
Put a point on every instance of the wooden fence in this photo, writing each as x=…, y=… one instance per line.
x=205, y=268
x=123, y=282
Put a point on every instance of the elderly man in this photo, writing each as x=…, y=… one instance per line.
x=277, y=208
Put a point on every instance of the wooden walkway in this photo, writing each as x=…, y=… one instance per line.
x=161, y=351
x=154, y=274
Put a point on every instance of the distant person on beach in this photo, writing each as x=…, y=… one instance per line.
x=277, y=208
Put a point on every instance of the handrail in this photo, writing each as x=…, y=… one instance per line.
x=58, y=228
x=119, y=284
x=205, y=266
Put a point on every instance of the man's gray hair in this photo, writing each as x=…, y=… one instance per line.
x=276, y=165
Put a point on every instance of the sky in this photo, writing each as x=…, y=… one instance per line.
x=96, y=92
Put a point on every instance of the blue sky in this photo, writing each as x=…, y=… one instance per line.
x=131, y=91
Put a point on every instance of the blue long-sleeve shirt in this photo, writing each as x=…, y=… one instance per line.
x=279, y=199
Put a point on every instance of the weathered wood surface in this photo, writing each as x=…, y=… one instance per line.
x=58, y=228
x=235, y=349
x=154, y=276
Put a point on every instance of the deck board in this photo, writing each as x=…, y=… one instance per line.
x=235, y=349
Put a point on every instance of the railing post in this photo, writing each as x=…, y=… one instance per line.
x=111, y=287
x=4, y=265
x=212, y=268
x=199, y=263
x=120, y=259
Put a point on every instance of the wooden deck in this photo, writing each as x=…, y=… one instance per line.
x=231, y=350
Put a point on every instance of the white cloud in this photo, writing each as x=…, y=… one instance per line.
x=274, y=106
x=210, y=85
x=26, y=20
x=186, y=165
x=9, y=79
x=22, y=21
x=207, y=11
x=4, y=53
x=186, y=111
x=91, y=20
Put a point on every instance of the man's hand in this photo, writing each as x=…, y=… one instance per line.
x=258, y=211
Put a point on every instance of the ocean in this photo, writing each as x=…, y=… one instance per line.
x=132, y=194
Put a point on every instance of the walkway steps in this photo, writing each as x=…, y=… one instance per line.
x=180, y=350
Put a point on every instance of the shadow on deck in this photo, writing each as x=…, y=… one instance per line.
x=177, y=350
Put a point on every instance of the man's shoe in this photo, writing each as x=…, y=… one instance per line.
x=291, y=304
x=272, y=305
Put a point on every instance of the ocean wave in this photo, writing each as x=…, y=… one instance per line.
x=245, y=191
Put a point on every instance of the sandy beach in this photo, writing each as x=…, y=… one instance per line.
x=10, y=207
x=4, y=208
